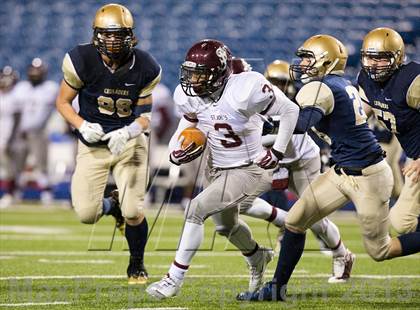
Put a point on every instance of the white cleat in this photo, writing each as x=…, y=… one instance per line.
x=257, y=272
x=342, y=268
x=165, y=288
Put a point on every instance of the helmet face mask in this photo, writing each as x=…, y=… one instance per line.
x=320, y=55
x=206, y=68
x=115, y=44
x=379, y=65
x=113, y=32
x=303, y=68
x=382, y=53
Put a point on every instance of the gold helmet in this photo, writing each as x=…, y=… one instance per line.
x=325, y=53
x=278, y=74
x=382, y=53
x=113, y=32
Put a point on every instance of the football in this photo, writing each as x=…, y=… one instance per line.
x=193, y=134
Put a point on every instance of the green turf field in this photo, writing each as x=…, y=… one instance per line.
x=45, y=259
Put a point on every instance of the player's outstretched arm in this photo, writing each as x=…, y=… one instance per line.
x=288, y=113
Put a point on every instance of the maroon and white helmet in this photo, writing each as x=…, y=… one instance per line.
x=240, y=65
x=206, y=68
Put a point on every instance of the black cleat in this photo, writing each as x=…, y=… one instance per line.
x=116, y=212
x=136, y=271
x=266, y=293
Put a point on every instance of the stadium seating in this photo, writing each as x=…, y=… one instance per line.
x=266, y=29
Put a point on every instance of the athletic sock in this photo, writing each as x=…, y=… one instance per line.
x=263, y=210
x=340, y=250
x=137, y=237
x=418, y=224
x=292, y=247
x=177, y=271
x=191, y=239
x=410, y=243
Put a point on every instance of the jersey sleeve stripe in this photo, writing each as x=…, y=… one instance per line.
x=268, y=106
x=190, y=119
x=70, y=75
x=147, y=91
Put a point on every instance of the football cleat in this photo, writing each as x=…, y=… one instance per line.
x=116, y=212
x=267, y=293
x=342, y=268
x=165, y=288
x=257, y=271
x=136, y=272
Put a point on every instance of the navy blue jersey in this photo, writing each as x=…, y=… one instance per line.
x=353, y=143
x=110, y=98
x=389, y=103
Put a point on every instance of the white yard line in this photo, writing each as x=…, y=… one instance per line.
x=7, y=257
x=33, y=229
x=221, y=276
x=165, y=253
x=76, y=261
x=104, y=261
x=26, y=304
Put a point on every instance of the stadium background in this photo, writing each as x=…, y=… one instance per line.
x=264, y=29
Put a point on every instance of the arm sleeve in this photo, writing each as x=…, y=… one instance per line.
x=288, y=113
x=70, y=74
x=183, y=123
x=308, y=117
x=316, y=94
x=413, y=94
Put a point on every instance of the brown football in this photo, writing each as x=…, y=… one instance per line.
x=193, y=134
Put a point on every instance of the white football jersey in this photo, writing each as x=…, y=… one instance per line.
x=37, y=103
x=232, y=124
x=9, y=106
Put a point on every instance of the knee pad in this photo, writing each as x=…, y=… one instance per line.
x=196, y=213
x=89, y=215
x=131, y=214
x=226, y=231
x=401, y=224
x=376, y=251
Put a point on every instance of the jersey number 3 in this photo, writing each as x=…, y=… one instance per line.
x=108, y=106
x=230, y=135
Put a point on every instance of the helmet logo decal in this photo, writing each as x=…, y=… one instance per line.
x=222, y=54
x=189, y=64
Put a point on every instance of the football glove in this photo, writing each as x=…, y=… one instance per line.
x=184, y=155
x=117, y=140
x=268, y=159
x=91, y=132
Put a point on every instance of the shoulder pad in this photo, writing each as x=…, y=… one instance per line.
x=413, y=94
x=316, y=94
